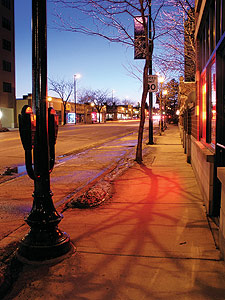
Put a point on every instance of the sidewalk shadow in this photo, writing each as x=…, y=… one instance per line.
x=132, y=226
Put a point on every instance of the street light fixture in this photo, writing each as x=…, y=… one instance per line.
x=49, y=101
x=76, y=76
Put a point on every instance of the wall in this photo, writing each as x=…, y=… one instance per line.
x=7, y=117
x=221, y=177
x=202, y=161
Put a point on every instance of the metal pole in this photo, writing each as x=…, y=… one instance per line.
x=160, y=108
x=44, y=241
x=150, y=142
x=75, y=99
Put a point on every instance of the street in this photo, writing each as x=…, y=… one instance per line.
x=71, y=139
x=83, y=153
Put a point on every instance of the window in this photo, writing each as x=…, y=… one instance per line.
x=6, y=45
x=203, y=107
x=7, y=87
x=6, y=23
x=6, y=66
x=6, y=3
x=213, y=103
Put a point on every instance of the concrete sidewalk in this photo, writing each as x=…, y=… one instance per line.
x=150, y=241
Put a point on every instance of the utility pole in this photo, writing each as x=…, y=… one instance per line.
x=38, y=131
x=150, y=142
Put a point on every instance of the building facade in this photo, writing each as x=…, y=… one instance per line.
x=85, y=113
x=7, y=64
x=207, y=118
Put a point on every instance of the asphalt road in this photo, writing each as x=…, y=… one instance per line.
x=71, y=139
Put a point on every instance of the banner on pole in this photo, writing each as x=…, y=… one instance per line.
x=139, y=38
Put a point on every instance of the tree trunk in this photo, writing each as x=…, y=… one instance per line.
x=64, y=113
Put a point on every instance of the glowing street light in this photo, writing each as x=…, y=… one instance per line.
x=49, y=101
x=76, y=76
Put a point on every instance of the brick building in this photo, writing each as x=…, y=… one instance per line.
x=7, y=64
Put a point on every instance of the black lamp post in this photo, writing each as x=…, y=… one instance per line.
x=150, y=142
x=38, y=130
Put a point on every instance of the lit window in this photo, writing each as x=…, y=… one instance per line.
x=213, y=102
x=203, y=108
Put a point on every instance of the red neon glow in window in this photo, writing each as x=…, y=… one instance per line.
x=213, y=102
x=203, y=108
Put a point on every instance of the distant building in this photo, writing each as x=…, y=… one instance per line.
x=121, y=112
x=7, y=64
x=85, y=113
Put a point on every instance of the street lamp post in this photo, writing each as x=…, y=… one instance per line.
x=113, y=91
x=161, y=80
x=38, y=131
x=164, y=107
x=76, y=76
x=150, y=142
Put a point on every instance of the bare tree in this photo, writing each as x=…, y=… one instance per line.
x=113, y=20
x=98, y=97
x=177, y=22
x=64, y=89
x=172, y=88
x=127, y=101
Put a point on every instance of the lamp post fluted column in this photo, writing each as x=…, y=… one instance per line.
x=45, y=240
x=150, y=142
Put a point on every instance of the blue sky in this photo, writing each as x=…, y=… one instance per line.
x=101, y=63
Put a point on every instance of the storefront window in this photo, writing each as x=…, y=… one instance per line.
x=213, y=102
x=203, y=107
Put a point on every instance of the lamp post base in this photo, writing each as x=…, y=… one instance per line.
x=43, y=244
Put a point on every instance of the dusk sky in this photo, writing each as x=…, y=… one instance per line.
x=100, y=63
